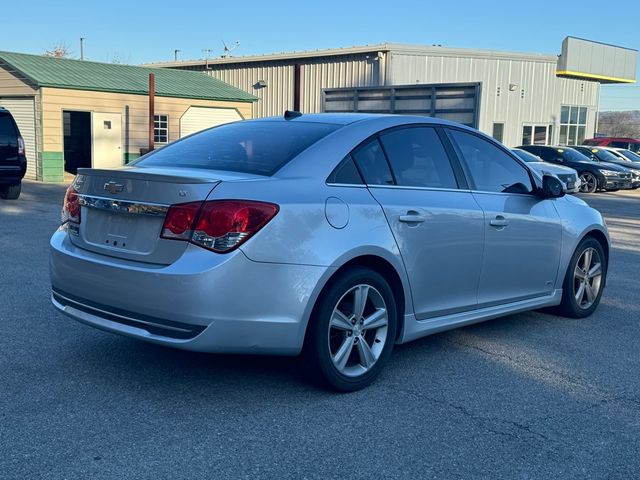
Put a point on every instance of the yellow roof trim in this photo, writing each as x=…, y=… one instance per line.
x=595, y=77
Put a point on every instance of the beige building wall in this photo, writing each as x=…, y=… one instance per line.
x=135, y=116
x=11, y=85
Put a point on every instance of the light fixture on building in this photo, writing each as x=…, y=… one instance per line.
x=260, y=84
x=513, y=87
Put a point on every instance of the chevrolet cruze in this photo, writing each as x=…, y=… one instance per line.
x=335, y=236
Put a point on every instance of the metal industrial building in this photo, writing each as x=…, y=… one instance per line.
x=518, y=98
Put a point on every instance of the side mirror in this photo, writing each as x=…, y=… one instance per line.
x=552, y=187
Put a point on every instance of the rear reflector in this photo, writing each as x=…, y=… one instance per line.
x=217, y=225
x=71, y=206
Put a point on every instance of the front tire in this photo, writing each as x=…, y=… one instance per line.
x=10, y=192
x=353, y=330
x=589, y=182
x=584, y=281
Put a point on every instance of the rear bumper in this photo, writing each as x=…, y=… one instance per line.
x=13, y=174
x=203, y=301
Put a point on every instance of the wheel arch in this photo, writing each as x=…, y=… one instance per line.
x=382, y=266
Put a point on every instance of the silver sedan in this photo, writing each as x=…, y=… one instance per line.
x=337, y=236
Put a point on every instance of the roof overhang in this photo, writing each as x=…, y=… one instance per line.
x=597, y=62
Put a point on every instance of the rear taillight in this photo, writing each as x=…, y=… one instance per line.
x=218, y=225
x=20, y=147
x=71, y=206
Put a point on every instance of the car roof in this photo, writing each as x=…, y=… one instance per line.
x=349, y=118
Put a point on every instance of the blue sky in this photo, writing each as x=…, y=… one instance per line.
x=137, y=31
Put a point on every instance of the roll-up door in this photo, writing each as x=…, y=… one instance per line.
x=23, y=111
x=196, y=119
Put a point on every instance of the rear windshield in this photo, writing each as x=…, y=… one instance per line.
x=260, y=148
x=8, y=136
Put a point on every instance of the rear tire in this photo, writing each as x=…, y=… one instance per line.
x=584, y=280
x=352, y=332
x=10, y=192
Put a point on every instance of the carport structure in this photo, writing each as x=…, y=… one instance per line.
x=74, y=113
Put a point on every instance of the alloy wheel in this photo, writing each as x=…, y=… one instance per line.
x=589, y=183
x=587, y=278
x=358, y=330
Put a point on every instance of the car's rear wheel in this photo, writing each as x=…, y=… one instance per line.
x=10, y=192
x=353, y=330
x=589, y=182
x=584, y=281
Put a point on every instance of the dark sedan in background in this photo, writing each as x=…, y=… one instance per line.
x=599, y=154
x=593, y=175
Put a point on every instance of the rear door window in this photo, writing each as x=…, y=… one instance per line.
x=259, y=148
x=491, y=169
x=418, y=158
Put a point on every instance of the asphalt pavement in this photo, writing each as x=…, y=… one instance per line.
x=528, y=396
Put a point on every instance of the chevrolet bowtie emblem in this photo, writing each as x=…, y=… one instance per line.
x=113, y=187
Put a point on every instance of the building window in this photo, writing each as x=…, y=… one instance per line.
x=498, y=132
x=537, y=134
x=161, y=128
x=573, y=125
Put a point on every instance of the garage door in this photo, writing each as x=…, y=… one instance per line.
x=201, y=118
x=23, y=111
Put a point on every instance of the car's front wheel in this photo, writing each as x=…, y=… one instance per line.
x=589, y=182
x=584, y=281
x=10, y=192
x=353, y=329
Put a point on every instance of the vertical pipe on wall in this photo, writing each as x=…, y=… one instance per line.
x=296, y=87
x=152, y=91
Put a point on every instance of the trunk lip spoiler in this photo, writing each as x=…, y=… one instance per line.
x=138, y=174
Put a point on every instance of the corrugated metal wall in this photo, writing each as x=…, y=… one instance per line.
x=316, y=74
x=275, y=98
x=514, y=92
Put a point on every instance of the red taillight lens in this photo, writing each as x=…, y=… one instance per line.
x=218, y=225
x=178, y=224
x=71, y=206
x=20, y=147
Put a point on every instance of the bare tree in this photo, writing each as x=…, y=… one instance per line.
x=620, y=124
x=59, y=50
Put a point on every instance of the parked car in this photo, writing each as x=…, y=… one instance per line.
x=603, y=154
x=632, y=144
x=628, y=154
x=13, y=162
x=338, y=235
x=567, y=175
x=594, y=176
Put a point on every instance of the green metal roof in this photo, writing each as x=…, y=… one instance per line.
x=41, y=71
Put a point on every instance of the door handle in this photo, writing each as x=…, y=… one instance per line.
x=499, y=222
x=412, y=217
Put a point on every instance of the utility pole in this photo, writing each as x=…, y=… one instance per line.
x=82, y=39
x=175, y=55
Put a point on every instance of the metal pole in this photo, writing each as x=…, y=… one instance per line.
x=152, y=91
x=175, y=55
x=82, y=48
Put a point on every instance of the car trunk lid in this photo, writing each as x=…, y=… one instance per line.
x=123, y=211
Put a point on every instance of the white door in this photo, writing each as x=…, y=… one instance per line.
x=106, y=140
x=196, y=119
x=23, y=111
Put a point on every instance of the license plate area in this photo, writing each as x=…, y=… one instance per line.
x=121, y=231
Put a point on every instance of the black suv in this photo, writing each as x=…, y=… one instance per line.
x=593, y=175
x=13, y=163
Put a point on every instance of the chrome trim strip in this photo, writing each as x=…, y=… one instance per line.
x=123, y=206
